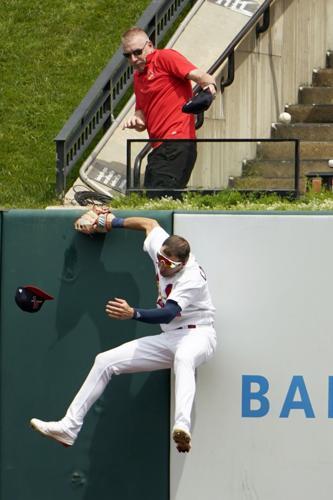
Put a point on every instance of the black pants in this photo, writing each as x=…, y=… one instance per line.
x=170, y=165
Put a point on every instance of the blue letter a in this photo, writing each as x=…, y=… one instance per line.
x=290, y=403
x=248, y=396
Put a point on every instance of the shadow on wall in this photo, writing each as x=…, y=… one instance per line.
x=116, y=448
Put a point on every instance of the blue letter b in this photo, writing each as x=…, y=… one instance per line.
x=249, y=395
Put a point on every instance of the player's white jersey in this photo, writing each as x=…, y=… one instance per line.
x=188, y=287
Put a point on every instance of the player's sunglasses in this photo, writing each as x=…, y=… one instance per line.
x=171, y=264
x=136, y=52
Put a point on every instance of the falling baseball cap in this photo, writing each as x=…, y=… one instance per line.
x=198, y=103
x=30, y=298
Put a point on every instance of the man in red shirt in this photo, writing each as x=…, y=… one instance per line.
x=162, y=86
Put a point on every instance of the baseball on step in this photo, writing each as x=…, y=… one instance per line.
x=285, y=118
x=330, y=163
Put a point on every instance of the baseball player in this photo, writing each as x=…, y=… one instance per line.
x=185, y=313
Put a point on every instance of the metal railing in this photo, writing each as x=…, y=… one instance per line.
x=95, y=112
x=228, y=54
x=144, y=151
x=134, y=173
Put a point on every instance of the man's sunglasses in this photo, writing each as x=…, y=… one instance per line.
x=171, y=264
x=136, y=52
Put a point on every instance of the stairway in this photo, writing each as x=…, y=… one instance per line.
x=312, y=123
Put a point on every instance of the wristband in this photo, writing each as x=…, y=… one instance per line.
x=101, y=221
x=117, y=222
x=136, y=314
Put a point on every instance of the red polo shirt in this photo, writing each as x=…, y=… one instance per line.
x=161, y=90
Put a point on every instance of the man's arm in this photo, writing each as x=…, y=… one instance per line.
x=205, y=80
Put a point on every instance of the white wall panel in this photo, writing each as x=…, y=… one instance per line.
x=271, y=280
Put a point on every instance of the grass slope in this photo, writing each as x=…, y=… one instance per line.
x=51, y=52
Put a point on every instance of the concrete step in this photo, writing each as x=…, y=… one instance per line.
x=315, y=95
x=310, y=113
x=329, y=59
x=260, y=183
x=312, y=123
x=282, y=168
x=322, y=77
x=303, y=131
x=286, y=151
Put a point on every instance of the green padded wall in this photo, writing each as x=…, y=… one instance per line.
x=122, y=452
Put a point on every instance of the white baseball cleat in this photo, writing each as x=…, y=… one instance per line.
x=182, y=439
x=53, y=430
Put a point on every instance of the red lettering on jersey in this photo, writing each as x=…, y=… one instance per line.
x=160, y=300
x=168, y=290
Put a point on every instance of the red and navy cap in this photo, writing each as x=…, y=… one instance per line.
x=198, y=103
x=30, y=298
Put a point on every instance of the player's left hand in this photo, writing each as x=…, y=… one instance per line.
x=88, y=222
x=119, y=309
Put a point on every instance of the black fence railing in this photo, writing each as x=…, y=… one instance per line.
x=263, y=14
x=95, y=112
x=133, y=169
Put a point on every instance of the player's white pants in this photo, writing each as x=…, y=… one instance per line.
x=183, y=349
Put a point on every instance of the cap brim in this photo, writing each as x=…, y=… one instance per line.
x=39, y=292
